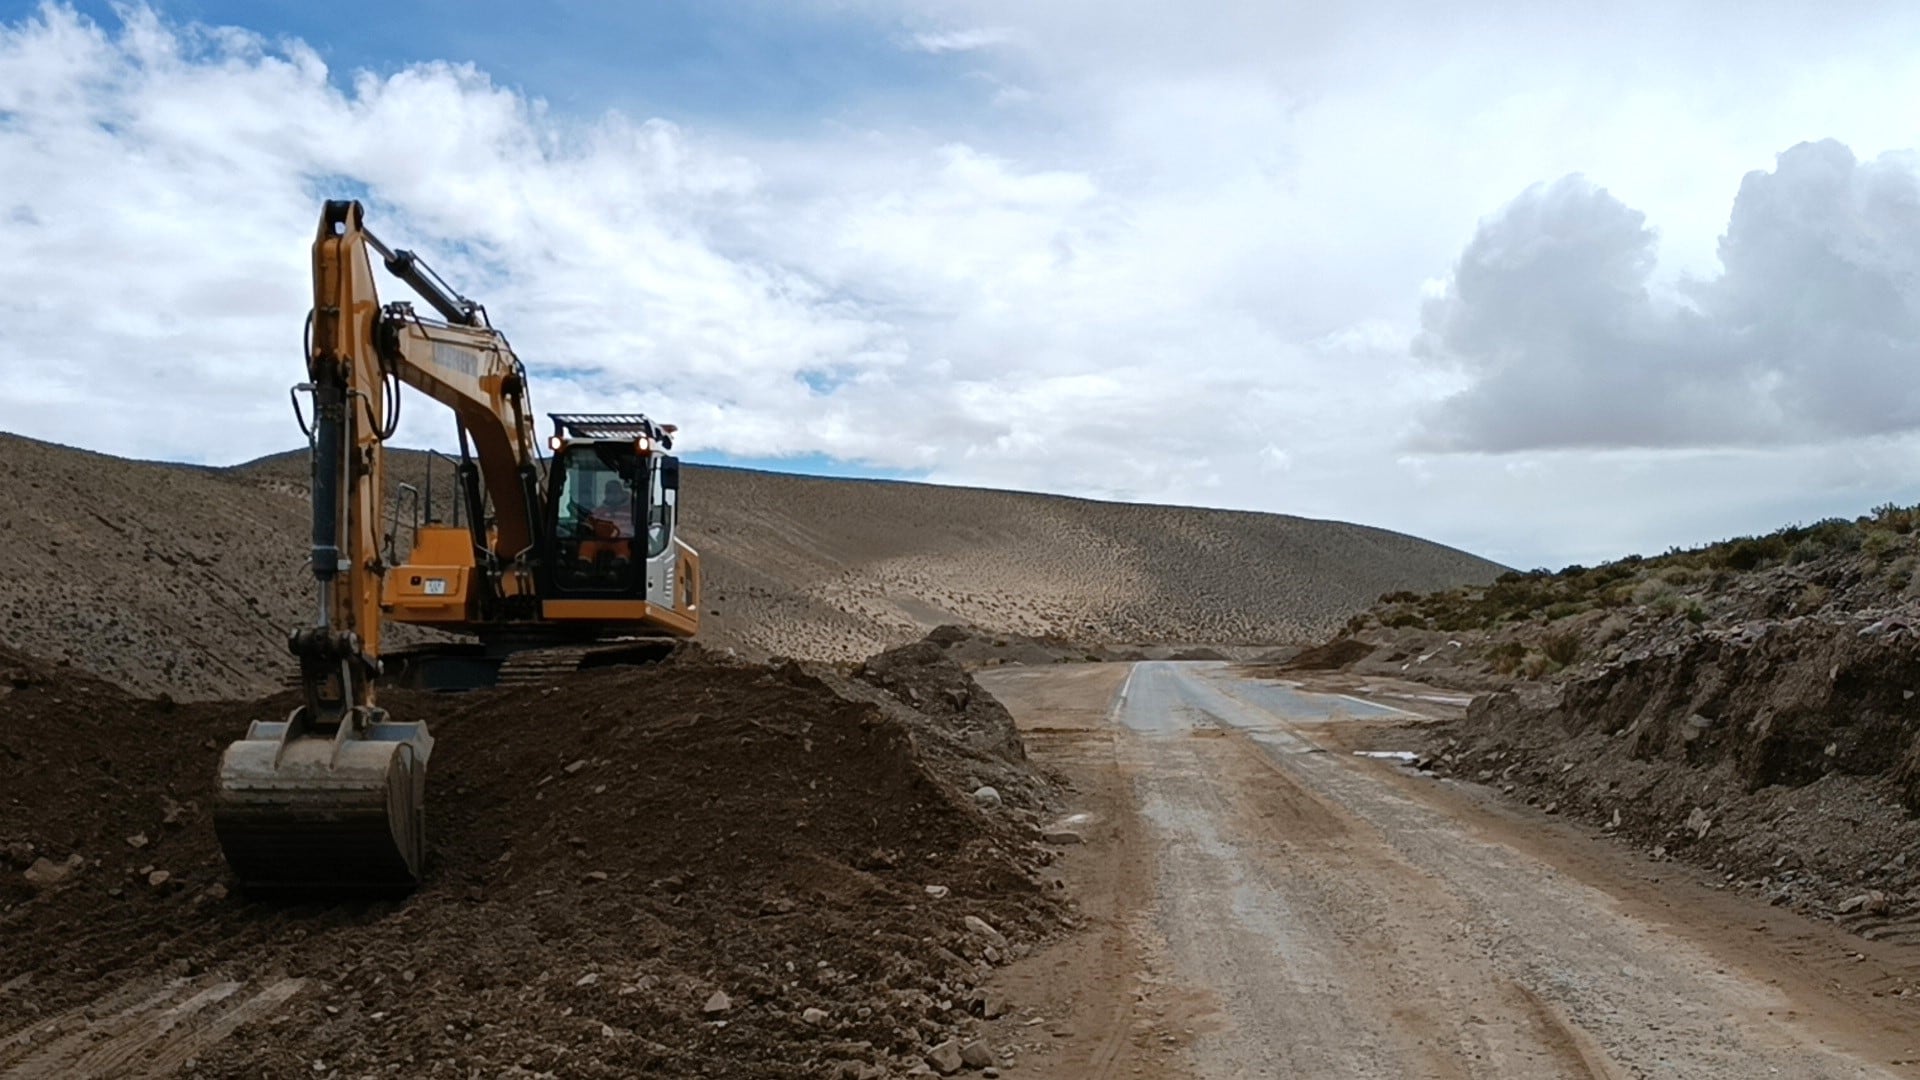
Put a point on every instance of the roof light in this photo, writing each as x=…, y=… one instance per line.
x=643, y=444
x=555, y=443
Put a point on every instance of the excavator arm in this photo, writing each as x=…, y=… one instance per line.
x=332, y=797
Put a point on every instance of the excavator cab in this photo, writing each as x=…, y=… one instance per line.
x=600, y=507
x=614, y=495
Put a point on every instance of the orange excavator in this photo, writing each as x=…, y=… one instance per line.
x=574, y=548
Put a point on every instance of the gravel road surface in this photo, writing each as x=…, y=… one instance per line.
x=1334, y=915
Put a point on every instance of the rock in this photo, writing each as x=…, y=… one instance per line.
x=987, y=796
x=979, y=927
x=1699, y=823
x=1061, y=836
x=1871, y=902
x=45, y=873
x=137, y=841
x=814, y=1016
x=215, y=892
x=171, y=813
x=19, y=853
x=945, y=1058
x=938, y=892
x=717, y=1004
x=975, y=1055
x=595, y=875
x=1693, y=727
x=575, y=766
x=588, y=979
x=159, y=880
x=987, y=1005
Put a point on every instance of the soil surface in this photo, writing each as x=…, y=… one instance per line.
x=1294, y=909
x=183, y=580
x=705, y=867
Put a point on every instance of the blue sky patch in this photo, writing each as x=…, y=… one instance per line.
x=755, y=63
x=805, y=465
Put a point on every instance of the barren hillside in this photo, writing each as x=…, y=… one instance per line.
x=183, y=580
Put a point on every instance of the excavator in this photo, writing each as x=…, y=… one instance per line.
x=542, y=551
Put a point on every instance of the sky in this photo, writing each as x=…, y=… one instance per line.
x=1552, y=283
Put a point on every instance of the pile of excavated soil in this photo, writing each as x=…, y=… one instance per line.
x=1330, y=656
x=974, y=647
x=185, y=580
x=701, y=868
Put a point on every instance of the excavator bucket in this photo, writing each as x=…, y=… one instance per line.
x=325, y=810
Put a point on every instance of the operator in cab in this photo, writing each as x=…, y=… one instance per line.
x=616, y=508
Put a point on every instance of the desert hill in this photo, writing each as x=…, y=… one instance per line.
x=183, y=579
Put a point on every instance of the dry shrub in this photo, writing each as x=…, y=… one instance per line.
x=1562, y=649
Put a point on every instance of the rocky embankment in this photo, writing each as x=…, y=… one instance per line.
x=1749, y=706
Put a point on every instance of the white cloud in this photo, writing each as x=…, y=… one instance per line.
x=946, y=41
x=1810, y=333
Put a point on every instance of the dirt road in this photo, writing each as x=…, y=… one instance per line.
x=1275, y=906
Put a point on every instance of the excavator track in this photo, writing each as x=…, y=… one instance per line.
x=525, y=667
x=470, y=667
x=539, y=667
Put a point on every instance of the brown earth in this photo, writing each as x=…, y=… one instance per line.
x=184, y=580
x=609, y=852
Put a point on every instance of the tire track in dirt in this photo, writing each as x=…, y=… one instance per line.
x=145, y=1029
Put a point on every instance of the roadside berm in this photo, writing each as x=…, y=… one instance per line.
x=704, y=867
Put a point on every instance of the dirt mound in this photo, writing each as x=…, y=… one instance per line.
x=654, y=871
x=960, y=724
x=1332, y=656
x=185, y=580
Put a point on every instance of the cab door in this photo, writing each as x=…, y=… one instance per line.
x=599, y=510
x=663, y=497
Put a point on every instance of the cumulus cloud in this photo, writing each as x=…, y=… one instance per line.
x=1810, y=332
